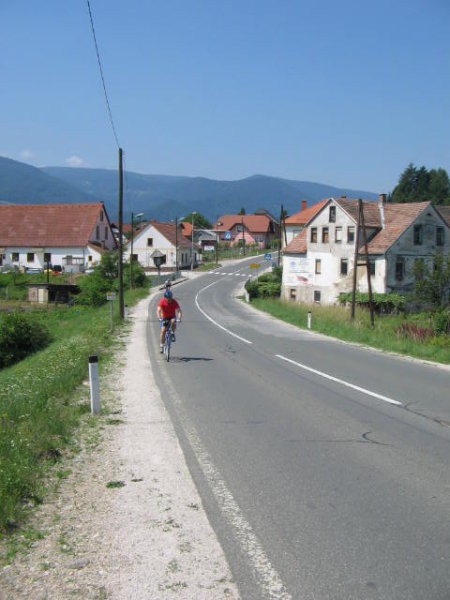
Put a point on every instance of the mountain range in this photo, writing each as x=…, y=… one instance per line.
x=161, y=197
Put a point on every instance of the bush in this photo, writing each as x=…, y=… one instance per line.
x=20, y=335
x=382, y=303
x=266, y=286
x=442, y=322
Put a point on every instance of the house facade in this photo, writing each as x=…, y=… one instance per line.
x=163, y=238
x=73, y=236
x=318, y=264
x=259, y=229
x=295, y=224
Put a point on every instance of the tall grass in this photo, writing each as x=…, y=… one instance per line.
x=38, y=409
x=389, y=333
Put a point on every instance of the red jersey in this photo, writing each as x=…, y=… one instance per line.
x=169, y=310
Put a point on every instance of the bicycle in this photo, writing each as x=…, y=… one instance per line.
x=167, y=337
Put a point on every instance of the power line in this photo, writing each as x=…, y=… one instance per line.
x=102, y=77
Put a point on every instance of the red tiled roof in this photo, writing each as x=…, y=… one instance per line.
x=298, y=244
x=444, y=211
x=48, y=225
x=253, y=223
x=371, y=211
x=187, y=229
x=397, y=219
x=168, y=230
x=304, y=216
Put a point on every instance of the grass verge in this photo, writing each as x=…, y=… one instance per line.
x=39, y=409
x=385, y=335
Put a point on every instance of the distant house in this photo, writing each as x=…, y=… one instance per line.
x=71, y=235
x=205, y=240
x=162, y=238
x=260, y=229
x=318, y=263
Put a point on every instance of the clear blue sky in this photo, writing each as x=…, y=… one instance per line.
x=344, y=92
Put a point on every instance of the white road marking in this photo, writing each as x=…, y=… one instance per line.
x=212, y=320
x=269, y=581
x=341, y=381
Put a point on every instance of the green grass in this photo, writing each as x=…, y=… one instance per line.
x=39, y=409
x=336, y=322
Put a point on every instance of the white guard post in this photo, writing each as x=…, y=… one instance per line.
x=94, y=385
x=309, y=319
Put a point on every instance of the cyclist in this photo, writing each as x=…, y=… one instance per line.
x=168, y=284
x=168, y=312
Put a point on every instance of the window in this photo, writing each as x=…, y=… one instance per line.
x=318, y=266
x=47, y=257
x=30, y=256
x=418, y=235
x=372, y=267
x=15, y=256
x=314, y=235
x=399, y=268
x=440, y=236
x=149, y=241
x=338, y=235
x=324, y=235
x=101, y=216
x=293, y=294
x=350, y=234
x=69, y=259
x=97, y=232
x=90, y=258
x=134, y=257
x=344, y=266
x=332, y=214
x=106, y=233
x=317, y=296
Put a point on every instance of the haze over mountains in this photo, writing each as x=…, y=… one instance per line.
x=161, y=197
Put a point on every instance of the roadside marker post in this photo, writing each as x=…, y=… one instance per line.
x=94, y=385
x=110, y=297
x=309, y=319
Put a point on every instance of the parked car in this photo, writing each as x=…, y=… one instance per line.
x=33, y=270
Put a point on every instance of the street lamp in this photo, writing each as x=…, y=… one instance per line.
x=192, y=241
x=138, y=216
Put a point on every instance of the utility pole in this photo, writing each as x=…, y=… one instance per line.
x=355, y=263
x=192, y=241
x=120, y=266
x=367, y=263
x=131, y=252
x=176, y=244
x=281, y=235
x=243, y=236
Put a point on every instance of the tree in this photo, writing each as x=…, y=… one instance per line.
x=439, y=187
x=242, y=211
x=419, y=185
x=200, y=221
x=433, y=281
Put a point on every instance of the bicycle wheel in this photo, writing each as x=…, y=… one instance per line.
x=167, y=342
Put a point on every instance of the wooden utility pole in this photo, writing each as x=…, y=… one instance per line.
x=120, y=263
x=355, y=261
x=366, y=263
x=176, y=244
x=281, y=235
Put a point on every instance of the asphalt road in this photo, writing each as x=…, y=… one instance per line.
x=323, y=467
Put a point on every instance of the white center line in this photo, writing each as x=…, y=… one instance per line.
x=212, y=320
x=341, y=381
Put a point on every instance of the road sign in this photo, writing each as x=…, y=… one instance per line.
x=254, y=266
x=110, y=295
x=268, y=256
x=227, y=235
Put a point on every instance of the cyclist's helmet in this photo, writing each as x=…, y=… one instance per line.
x=168, y=294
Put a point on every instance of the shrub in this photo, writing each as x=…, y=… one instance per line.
x=266, y=286
x=382, y=303
x=93, y=289
x=442, y=322
x=20, y=335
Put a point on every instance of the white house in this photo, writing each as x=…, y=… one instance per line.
x=318, y=263
x=162, y=238
x=295, y=224
x=71, y=235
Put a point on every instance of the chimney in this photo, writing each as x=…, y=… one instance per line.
x=381, y=203
x=304, y=204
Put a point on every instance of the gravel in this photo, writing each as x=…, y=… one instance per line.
x=127, y=522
